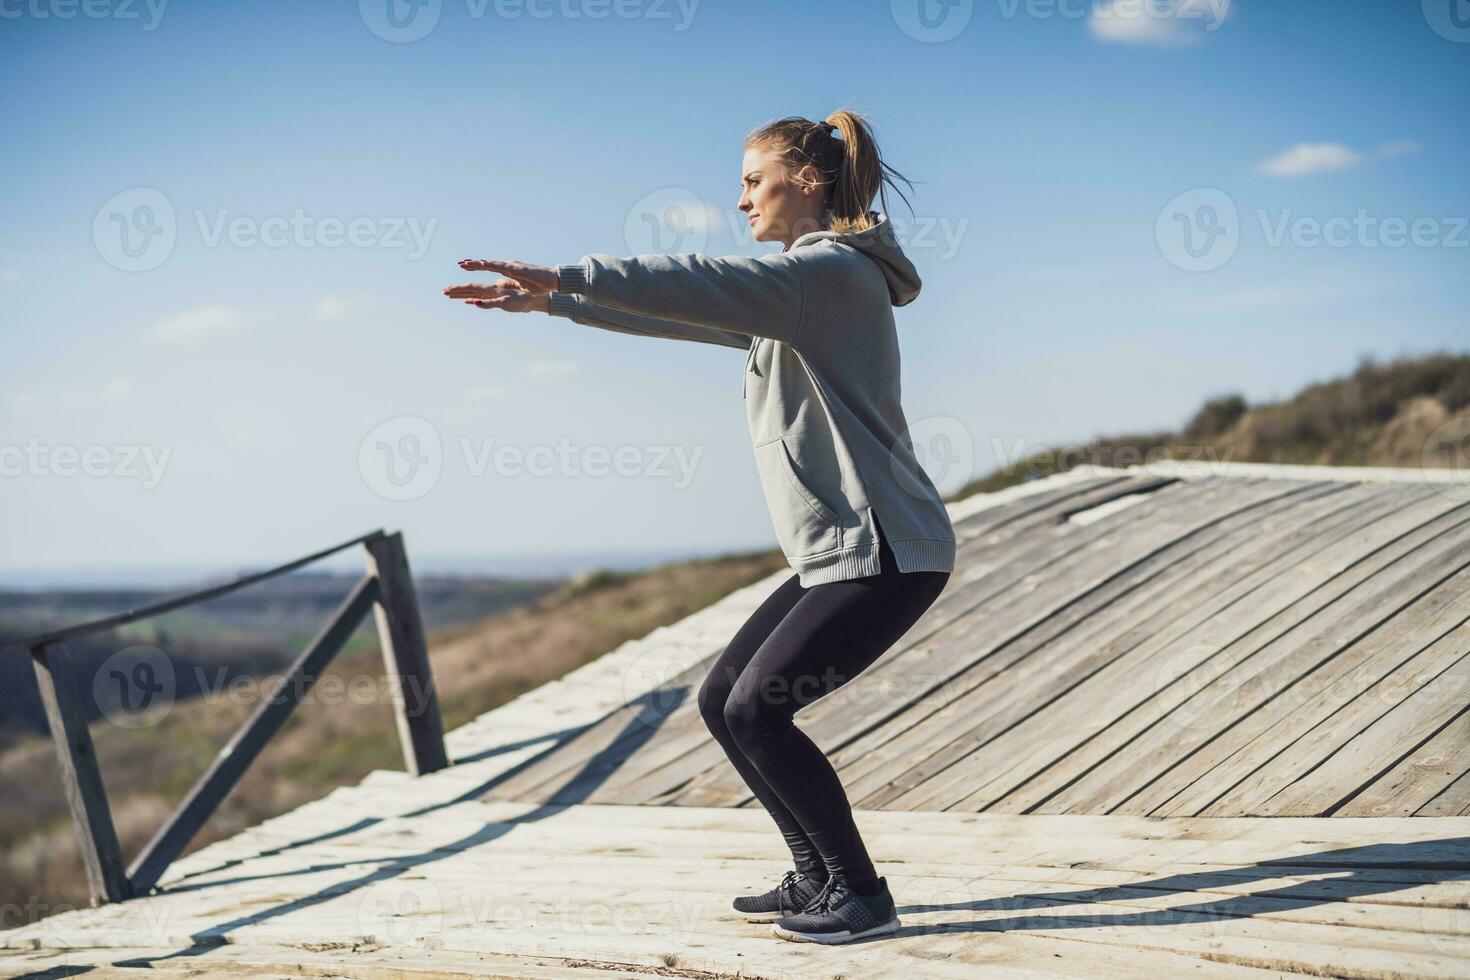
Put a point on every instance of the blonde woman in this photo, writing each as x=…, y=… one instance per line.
x=861, y=525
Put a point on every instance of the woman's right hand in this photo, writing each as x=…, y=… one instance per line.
x=507, y=294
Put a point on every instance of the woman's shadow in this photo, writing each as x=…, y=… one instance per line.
x=1340, y=875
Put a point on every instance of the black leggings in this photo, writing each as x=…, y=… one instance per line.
x=801, y=644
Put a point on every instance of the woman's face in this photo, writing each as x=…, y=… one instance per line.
x=777, y=208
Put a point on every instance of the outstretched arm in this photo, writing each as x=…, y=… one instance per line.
x=580, y=309
x=530, y=293
x=760, y=297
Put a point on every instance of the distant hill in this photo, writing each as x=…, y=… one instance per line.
x=1383, y=414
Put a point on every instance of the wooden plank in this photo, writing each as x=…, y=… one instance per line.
x=1453, y=800
x=574, y=771
x=1398, y=727
x=644, y=883
x=993, y=508
x=1243, y=572
x=1283, y=681
x=1051, y=508
x=250, y=740
x=1386, y=657
x=324, y=960
x=406, y=656
x=1257, y=615
x=1068, y=835
x=1421, y=777
x=56, y=676
x=1328, y=628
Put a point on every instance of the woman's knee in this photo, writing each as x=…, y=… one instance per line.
x=713, y=694
x=749, y=718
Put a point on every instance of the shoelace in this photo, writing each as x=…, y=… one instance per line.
x=787, y=890
x=833, y=894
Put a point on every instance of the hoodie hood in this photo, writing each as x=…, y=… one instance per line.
x=878, y=243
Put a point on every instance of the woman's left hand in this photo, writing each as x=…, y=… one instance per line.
x=506, y=294
x=525, y=289
x=535, y=278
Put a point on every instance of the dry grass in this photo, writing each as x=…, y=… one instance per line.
x=1383, y=414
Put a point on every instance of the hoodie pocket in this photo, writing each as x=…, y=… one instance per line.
x=804, y=524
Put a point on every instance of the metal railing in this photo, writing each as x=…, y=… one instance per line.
x=387, y=590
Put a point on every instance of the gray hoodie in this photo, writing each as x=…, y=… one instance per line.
x=821, y=383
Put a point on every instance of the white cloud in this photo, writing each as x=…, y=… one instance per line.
x=194, y=325
x=1310, y=158
x=1399, y=148
x=480, y=393
x=118, y=387
x=115, y=389
x=1162, y=23
x=334, y=307
x=551, y=369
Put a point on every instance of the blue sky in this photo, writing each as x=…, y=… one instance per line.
x=298, y=180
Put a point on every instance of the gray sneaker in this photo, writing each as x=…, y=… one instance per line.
x=839, y=915
x=791, y=895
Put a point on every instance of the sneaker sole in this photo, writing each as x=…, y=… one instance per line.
x=834, y=938
x=760, y=916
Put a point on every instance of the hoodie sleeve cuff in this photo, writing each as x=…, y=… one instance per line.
x=562, y=304
x=573, y=278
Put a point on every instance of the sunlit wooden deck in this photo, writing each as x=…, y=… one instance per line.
x=1158, y=724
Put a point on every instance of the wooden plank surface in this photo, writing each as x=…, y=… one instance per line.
x=646, y=889
x=1247, y=677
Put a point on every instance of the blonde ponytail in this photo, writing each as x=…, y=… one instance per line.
x=851, y=166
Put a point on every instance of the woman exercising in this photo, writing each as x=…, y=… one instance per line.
x=861, y=525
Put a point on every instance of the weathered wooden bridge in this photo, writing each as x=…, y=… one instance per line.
x=1173, y=720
